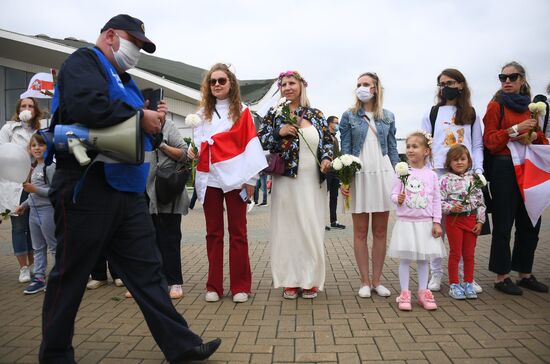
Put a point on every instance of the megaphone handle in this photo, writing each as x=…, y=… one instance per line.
x=79, y=151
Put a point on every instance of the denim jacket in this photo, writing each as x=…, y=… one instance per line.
x=354, y=129
x=289, y=146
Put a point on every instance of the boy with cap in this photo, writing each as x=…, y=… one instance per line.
x=102, y=208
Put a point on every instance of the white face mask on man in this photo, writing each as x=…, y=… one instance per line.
x=127, y=55
x=363, y=93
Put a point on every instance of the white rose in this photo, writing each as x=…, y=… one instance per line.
x=533, y=107
x=192, y=120
x=281, y=102
x=541, y=106
x=25, y=115
x=337, y=164
x=356, y=159
x=482, y=179
x=346, y=160
x=402, y=169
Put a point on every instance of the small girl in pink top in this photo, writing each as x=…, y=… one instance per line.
x=417, y=232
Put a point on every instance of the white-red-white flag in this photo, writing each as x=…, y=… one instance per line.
x=233, y=157
x=532, y=166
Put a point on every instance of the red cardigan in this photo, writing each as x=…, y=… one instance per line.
x=495, y=138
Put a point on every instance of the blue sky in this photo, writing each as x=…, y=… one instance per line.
x=407, y=43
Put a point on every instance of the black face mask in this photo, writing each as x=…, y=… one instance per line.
x=450, y=93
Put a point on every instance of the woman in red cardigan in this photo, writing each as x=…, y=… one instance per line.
x=508, y=207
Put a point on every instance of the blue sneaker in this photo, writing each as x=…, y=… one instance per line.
x=469, y=290
x=457, y=292
x=36, y=286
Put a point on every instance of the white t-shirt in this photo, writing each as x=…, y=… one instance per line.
x=447, y=133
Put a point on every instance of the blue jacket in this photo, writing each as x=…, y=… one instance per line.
x=354, y=128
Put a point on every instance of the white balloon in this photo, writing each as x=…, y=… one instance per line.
x=15, y=162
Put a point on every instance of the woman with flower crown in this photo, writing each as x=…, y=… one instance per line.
x=368, y=131
x=300, y=134
x=25, y=122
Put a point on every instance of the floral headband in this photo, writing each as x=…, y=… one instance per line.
x=294, y=74
x=427, y=135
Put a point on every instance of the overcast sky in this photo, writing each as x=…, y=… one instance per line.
x=407, y=43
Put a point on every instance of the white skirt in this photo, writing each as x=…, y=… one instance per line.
x=371, y=187
x=414, y=241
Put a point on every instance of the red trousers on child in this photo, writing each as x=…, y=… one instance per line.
x=239, y=263
x=462, y=243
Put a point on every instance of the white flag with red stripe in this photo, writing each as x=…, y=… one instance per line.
x=233, y=157
x=532, y=166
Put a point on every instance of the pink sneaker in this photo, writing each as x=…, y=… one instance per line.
x=404, y=300
x=426, y=299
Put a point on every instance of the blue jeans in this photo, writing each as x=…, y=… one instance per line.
x=20, y=232
x=43, y=237
x=262, y=182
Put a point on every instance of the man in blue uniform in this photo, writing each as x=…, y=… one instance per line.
x=102, y=208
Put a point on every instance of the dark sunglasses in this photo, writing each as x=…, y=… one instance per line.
x=512, y=76
x=364, y=84
x=222, y=81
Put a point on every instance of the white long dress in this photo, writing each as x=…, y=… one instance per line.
x=371, y=188
x=298, y=222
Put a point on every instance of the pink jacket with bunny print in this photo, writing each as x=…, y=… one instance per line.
x=422, y=196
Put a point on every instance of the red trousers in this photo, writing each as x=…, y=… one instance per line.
x=239, y=262
x=462, y=243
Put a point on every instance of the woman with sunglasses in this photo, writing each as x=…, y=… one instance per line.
x=452, y=121
x=299, y=198
x=221, y=111
x=508, y=120
x=367, y=130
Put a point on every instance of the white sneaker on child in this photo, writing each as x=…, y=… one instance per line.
x=477, y=287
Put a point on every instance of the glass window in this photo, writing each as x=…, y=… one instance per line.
x=15, y=79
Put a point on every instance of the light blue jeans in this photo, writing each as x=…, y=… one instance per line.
x=43, y=237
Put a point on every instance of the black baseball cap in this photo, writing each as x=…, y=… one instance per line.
x=133, y=26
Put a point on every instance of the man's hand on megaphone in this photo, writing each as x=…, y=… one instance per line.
x=151, y=121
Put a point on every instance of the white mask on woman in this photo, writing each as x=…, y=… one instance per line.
x=127, y=55
x=363, y=93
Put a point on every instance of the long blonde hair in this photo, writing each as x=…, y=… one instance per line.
x=378, y=97
x=208, y=101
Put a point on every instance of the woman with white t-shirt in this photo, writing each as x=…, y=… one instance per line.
x=452, y=121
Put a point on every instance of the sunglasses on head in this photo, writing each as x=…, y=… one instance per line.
x=222, y=81
x=512, y=76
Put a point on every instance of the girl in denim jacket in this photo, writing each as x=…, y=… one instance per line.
x=368, y=131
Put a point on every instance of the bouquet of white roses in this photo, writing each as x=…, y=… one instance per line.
x=283, y=109
x=537, y=109
x=346, y=166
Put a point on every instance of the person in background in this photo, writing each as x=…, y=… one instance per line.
x=299, y=199
x=101, y=208
x=19, y=130
x=333, y=183
x=262, y=183
x=41, y=221
x=508, y=119
x=99, y=274
x=367, y=131
x=452, y=121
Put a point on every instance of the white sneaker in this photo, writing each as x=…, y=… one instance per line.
x=118, y=282
x=240, y=297
x=364, y=292
x=477, y=287
x=381, y=291
x=211, y=296
x=93, y=284
x=24, y=274
x=250, y=206
x=435, y=282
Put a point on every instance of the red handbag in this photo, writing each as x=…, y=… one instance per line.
x=275, y=164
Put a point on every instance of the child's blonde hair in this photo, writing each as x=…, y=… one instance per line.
x=455, y=152
x=426, y=140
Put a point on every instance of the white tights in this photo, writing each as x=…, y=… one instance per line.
x=422, y=268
